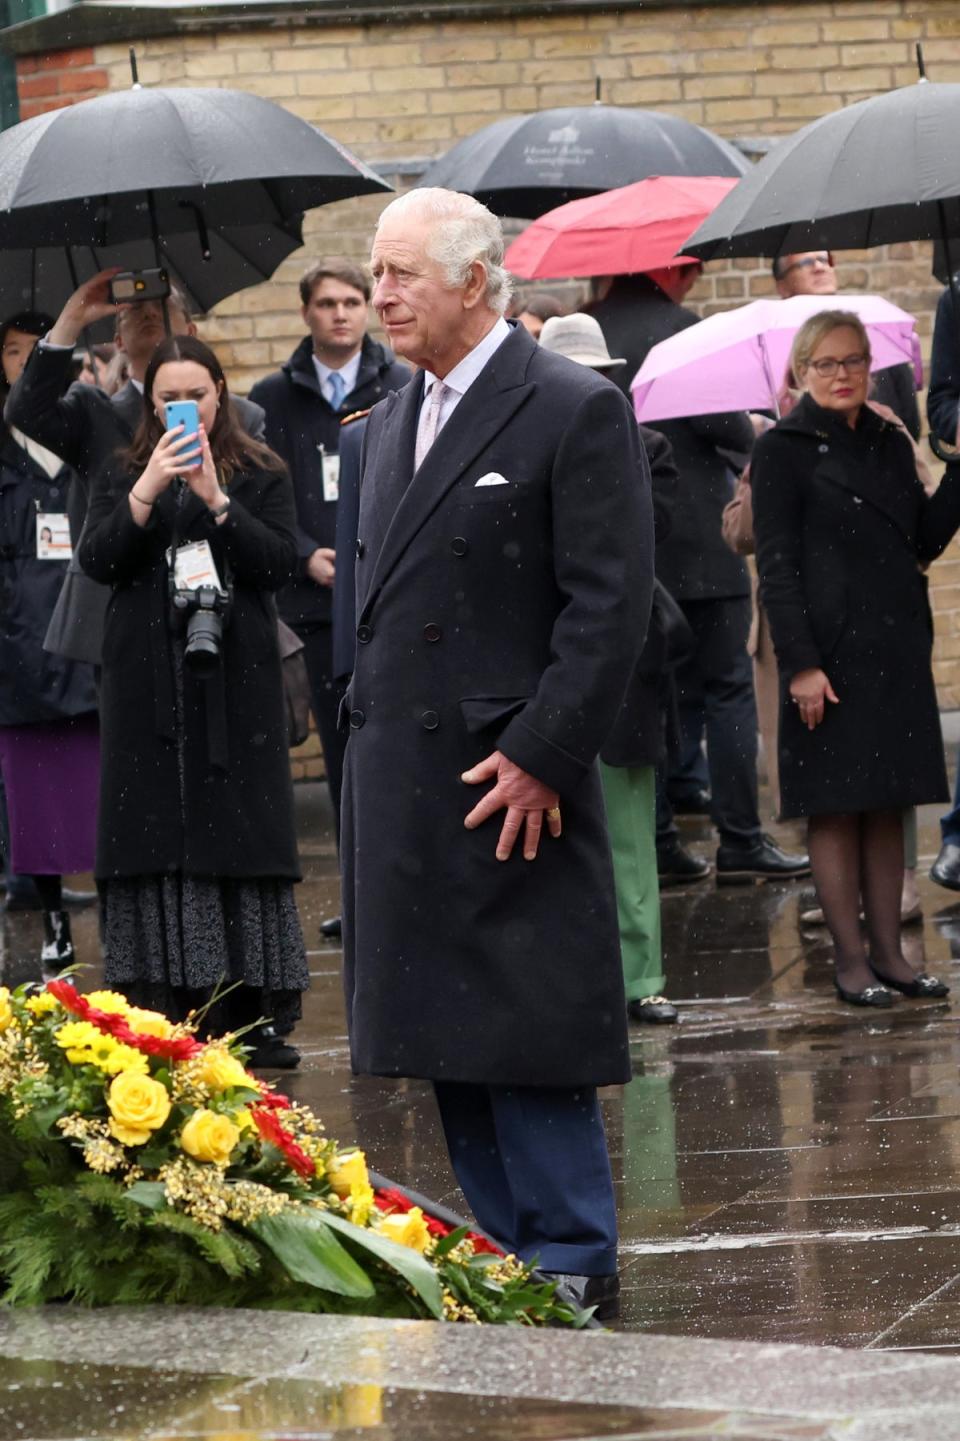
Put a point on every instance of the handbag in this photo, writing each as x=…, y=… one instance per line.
x=296, y=684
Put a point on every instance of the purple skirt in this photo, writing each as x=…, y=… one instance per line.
x=51, y=774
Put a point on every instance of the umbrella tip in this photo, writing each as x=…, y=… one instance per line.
x=134, y=76
x=921, y=63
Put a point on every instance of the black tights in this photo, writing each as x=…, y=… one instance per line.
x=50, y=889
x=857, y=861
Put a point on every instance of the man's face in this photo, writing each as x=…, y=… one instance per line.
x=422, y=315
x=336, y=317
x=810, y=273
x=140, y=329
x=17, y=347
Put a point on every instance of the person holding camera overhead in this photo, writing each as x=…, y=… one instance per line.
x=194, y=531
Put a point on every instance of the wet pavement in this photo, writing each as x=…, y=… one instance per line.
x=788, y=1171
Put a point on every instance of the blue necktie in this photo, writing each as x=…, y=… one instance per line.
x=337, y=389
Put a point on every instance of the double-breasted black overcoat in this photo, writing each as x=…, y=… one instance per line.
x=504, y=615
x=843, y=527
x=236, y=814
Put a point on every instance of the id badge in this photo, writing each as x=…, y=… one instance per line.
x=53, y=536
x=330, y=464
x=195, y=566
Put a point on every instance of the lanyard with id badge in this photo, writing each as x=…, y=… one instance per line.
x=330, y=473
x=53, y=536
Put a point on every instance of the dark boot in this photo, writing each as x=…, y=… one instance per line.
x=58, y=952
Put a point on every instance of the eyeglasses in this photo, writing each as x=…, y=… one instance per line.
x=808, y=262
x=828, y=367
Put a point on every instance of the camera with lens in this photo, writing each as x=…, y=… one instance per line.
x=202, y=613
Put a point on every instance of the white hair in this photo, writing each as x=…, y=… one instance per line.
x=465, y=232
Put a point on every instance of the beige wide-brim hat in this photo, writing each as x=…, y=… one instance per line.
x=579, y=338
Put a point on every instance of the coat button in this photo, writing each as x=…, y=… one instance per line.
x=364, y=634
x=357, y=719
x=360, y=549
x=458, y=545
x=432, y=632
x=430, y=720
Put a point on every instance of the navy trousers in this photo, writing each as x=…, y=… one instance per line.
x=532, y=1162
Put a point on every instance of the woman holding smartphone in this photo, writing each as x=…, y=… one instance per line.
x=196, y=851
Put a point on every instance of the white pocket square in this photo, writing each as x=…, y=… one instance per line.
x=491, y=478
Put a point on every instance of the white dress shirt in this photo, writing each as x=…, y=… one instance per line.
x=462, y=376
x=348, y=373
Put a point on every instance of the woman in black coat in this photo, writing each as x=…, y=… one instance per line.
x=196, y=853
x=843, y=529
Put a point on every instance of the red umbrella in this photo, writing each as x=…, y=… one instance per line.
x=638, y=227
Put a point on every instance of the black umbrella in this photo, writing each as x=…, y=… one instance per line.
x=528, y=164
x=880, y=171
x=140, y=163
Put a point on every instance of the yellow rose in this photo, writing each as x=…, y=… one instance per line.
x=110, y=1001
x=348, y=1173
x=6, y=1010
x=138, y=1105
x=148, y=1023
x=42, y=1004
x=208, y=1136
x=219, y=1070
x=407, y=1228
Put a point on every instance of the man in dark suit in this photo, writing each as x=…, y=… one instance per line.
x=712, y=585
x=502, y=534
x=86, y=428
x=335, y=370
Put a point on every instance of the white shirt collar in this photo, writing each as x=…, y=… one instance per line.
x=349, y=373
x=137, y=384
x=465, y=372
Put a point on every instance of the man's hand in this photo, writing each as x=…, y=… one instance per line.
x=85, y=307
x=526, y=799
x=321, y=566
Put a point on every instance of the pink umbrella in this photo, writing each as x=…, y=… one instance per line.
x=737, y=360
x=636, y=227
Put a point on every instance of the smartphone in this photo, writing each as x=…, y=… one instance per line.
x=131, y=286
x=185, y=413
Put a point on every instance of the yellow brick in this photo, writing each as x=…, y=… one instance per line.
x=727, y=61
x=552, y=24
x=422, y=127
x=392, y=106
x=211, y=66
x=451, y=102
x=555, y=72
x=426, y=78
x=347, y=82
x=215, y=328
x=162, y=71
x=657, y=66
x=936, y=50
x=498, y=72
x=943, y=25
x=457, y=51
x=807, y=107
x=316, y=57
x=710, y=87
x=514, y=48
x=642, y=42
x=802, y=57
x=518, y=99
x=551, y=46
x=849, y=29
x=645, y=92
x=853, y=82
x=616, y=68
x=890, y=53
x=719, y=112
x=712, y=37
x=603, y=22
x=374, y=56
x=271, y=87
x=790, y=82
x=807, y=33
x=323, y=110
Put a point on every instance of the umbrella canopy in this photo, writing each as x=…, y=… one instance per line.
x=637, y=227
x=528, y=164
x=876, y=172
x=139, y=162
x=737, y=360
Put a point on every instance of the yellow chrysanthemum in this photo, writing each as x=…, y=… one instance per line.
x=76, y=1035
x=110, y=1001
x=6, y=1009
x=408, y=1228
x=41, y=1005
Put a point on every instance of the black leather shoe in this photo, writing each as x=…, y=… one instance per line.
x=653, y=1011
x=600, y=1292
x=765, y=861
x=877, y=996
x=677, y=866
x=694, y=803
x=946, y=868
x=271, y=1052
x=332, y=930
x=922, y=987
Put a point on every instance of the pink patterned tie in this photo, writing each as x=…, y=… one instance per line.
x=430, y=425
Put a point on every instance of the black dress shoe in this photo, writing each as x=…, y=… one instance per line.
x=922, y=987
x=738, y=864
x=693, y=803
x=332, y=930
x=653, y=1011
x=600, y=1292
x=877, y=996
x=677, y=866
x=270, y=1052
x=946, y=868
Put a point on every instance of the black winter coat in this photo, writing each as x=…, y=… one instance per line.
x=943, y=396
x=500, y=616
x=86, y=428
x=237, y=808
x=34, y=685
x=694, y=563
x=843, y=527
x=300, y=424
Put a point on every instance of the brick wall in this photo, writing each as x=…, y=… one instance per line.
x=396, y=91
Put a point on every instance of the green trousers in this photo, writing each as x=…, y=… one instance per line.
x=630, y=799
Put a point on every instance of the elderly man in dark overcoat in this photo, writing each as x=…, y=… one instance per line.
x=504, y=524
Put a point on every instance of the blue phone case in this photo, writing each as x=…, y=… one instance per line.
x=185, y=413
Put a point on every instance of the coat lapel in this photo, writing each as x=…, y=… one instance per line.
x=128, y=406
x=488, y=406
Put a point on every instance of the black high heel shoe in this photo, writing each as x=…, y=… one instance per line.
x=922, y=987
x=876, y=996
